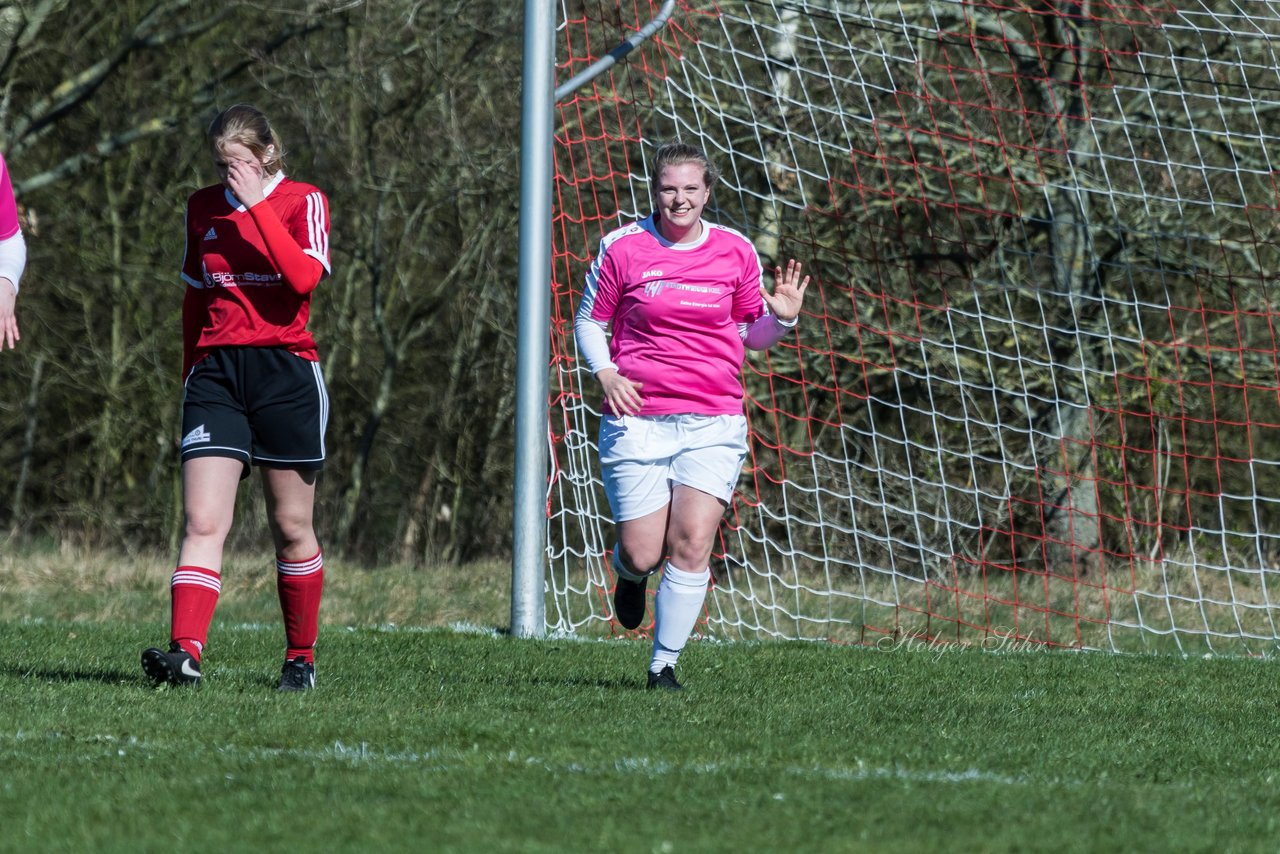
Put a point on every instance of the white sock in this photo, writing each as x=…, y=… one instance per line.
x=676, y=611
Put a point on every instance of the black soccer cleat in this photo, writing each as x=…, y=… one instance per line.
x=297, y=675
x=629, y=601
x=664, y=679
x=175, y=667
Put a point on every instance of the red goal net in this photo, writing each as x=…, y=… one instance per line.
x=1035, y=393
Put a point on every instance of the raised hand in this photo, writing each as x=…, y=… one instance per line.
x=788, y=292
x=246, y=179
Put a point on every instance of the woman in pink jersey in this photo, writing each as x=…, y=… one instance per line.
x=684, y=298
x=13, y=260
x=253, y=395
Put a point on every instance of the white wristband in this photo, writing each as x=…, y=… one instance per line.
x=13, y=258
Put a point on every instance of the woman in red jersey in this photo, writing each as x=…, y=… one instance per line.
x=257, y=244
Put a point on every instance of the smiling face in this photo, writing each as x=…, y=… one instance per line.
x=679, y=195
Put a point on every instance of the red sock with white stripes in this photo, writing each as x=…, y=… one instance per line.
x=300, y=584
x=193, y=596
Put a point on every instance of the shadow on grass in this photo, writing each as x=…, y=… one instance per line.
x=554, y=681
x=578, y=682
x=106, y=677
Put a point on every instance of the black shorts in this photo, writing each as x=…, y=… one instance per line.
x=263, y=405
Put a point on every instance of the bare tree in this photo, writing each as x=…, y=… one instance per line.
x=101, y=117
x=419, y=343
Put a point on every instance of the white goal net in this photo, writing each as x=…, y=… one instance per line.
x=1035, y=393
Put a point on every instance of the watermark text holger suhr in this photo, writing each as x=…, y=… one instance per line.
x=989, y=643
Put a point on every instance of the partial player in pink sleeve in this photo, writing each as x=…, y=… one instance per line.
x=668, y=309
x=257, y=245
x=13, y=260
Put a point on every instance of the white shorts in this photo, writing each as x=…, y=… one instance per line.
x=643, y=457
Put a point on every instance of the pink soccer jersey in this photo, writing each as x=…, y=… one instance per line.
x=8, y=209
x=675, y=311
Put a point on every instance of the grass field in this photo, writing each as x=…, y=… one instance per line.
x=438, y=739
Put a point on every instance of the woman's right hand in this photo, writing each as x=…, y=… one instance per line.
x=8, y=320
x=623, y=395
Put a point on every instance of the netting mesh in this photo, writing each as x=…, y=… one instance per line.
x=1034, y=394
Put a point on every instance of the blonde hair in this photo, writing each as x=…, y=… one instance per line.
x=249, y=127
x=677, y=153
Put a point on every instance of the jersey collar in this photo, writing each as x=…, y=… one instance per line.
x=650, y=224
x=266, y=191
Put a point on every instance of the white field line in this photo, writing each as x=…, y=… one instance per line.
x=447, y=759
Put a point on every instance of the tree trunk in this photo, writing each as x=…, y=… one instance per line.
x=31, y=411
x=782, y=51
x=1071, y=520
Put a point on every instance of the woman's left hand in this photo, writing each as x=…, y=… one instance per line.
x=788, y=292
x=245, y=179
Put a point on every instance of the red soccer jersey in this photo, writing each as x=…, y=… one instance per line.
x=240, y=297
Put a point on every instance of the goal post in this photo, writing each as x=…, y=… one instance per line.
x=529, y=539
x=528, y=613
x=1034, y=396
